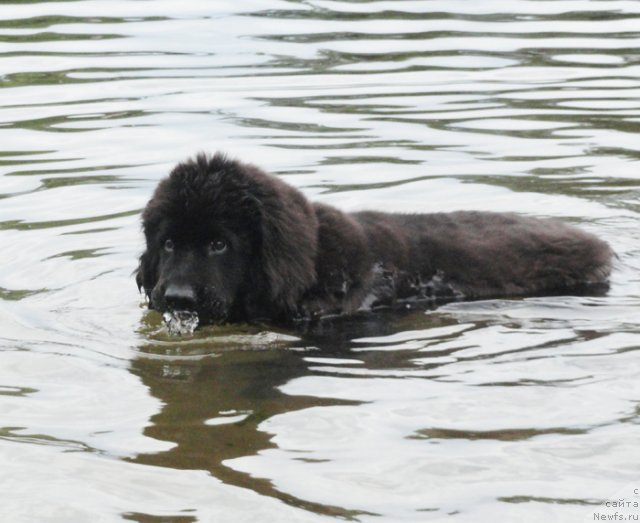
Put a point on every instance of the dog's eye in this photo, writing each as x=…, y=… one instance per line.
x=168, y=245
x=217, y=247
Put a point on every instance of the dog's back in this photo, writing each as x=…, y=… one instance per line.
x=480, y=254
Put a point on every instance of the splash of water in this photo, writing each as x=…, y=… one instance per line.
x=181, y=322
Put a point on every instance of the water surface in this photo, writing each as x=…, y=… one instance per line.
x=503, y=410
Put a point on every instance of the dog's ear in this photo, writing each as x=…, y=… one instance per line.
x=288, y=243
x=146, y=274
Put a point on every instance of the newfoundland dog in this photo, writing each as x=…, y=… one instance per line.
x=227, y=242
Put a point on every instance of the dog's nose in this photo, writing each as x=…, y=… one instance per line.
x=180, y=297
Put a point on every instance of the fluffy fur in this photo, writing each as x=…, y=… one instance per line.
x=231, y=243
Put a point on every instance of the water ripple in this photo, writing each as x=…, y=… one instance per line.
x=468, y=412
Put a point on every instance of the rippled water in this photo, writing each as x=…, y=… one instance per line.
x=505, y=410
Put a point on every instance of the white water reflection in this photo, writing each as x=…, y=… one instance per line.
x=514, y=410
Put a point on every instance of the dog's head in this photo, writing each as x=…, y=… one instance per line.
x=226, y=241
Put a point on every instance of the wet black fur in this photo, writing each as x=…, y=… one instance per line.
x=289, y=258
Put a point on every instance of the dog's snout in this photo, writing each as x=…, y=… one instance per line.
x=180, y=297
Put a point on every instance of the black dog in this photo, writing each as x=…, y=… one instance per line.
x=230, y=243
